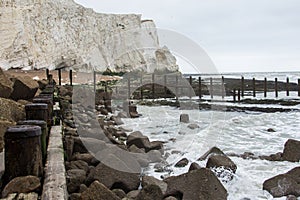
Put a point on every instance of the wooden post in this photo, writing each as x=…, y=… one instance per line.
x=59, y=76
x=222, y=87
x=165, y=83
x=200, y=89
x=276, y=87
x=153, y=86
x=299, y=87
x=191, y=87
x=265, y=87
x=239, y=95
x=49, y=102
x=176, y=86
x=47, y=74
x=254, y=88
x=94, y=78
x=243, y=85
x=50, y=79
x=23, y=155
x=234, y=95
x=211, y=88
x=128, y=86
x=287, y=86
x=71, y=77
x=141, y=88
x=44, y=134
x=37, y=111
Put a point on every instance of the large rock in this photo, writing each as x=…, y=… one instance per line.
x=112, y=178
x=184, y=118
x=98, y=191
x=212, y=151
x=139, y=140
x=75, y=177
x=196, y=184
x=11, y=110
x=4, y=124
x=5, y=85
x=150, y=192
x=25, y=184
x=216, y=161
x=149, y=180
x=291, y=151
x=23, y=88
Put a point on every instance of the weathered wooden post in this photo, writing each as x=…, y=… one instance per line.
x=239, y=95
x=59, y=76
x=23, y=155
x=44, y=135
x=287, y=86
x=47, y=74
x=265, y=87
x=234, y=95
x=153, y=86
x=243, y=85
x=49, y=102
x=211, y=88
x=299, y=87
x=176, y=86
x=128, y=86
x=50, y=79
x=94, y=80
x=37, y=111
x=141, y=88
x=222, y=87
x=191, y=87
x=71, y=77
x=199, y=88
x=165, y=84
x=276, y=87
x=254, y=88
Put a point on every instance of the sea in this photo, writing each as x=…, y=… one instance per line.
x=232, y=132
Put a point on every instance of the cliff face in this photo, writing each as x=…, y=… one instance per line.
x=51, y=33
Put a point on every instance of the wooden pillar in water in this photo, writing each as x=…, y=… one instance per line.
x=222, y=87
x=243, y=86
x=265, y=87
x=191, y=87
x=128, y=86
x=276, y=87
x=59, y=76
x=71, y=77
x=298, y=87
x=234, y=95
x=153, y=86
x=47, y=74
x=200, y=87
x=254, y=88
x=176, y=86
x=239, y=95
x=211, y=88
x=287, y=86
x=165, y=84
x=141, y=88
x=94, y=79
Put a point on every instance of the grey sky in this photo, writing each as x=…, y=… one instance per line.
x=238, y=35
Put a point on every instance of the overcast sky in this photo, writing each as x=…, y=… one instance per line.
x=238, y=35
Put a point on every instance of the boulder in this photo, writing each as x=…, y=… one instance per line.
x=212, y=151
x=193, y=126
x=184, y=118
x=4, y=124
x=216, y=161
x=23, y=88
x=75, y=196
x=139, y=140
x=75, y=177
x=113, y=178
x=150, y=192
x=86, y=157
x=182, y=163
x=291, y=197
x=78, y=164
x=282, y=185
x=5, y=85
x=196, y=184
x=25, y=184
x=291, y=151
x=98, y=191
x=194, y=166
x=11, y=110
x=150, y=180
x=132, y=194
x=120, y=193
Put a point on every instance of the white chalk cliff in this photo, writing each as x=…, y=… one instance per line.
x=50, y=33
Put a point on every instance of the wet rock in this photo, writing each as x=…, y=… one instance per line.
x=291, y=151
x=212, y=151
x=270, y=130
x=22, y=196
x=170, y=198
x=150, y=192
x=120, y=193
x=157, y=145
x=154, y=156
x=282, y=185
x=273, y=157
x=216, y=161
x=86, y=157
x=25, y=184
x=196, y=184
x=193, y=126
x=82, y=188
x=98, y=191
x=75, y=177
x=23, y=88
x=6, y=85
x=85, y=145
x=78, y=164
x=133, y=194
x=184, y=118
x=111, y=178
x=182, y=163
x=194, y=166
x=139, y=140
x=11, y=110
x=103, y=111
x=149, y=180
x=291, y=197
x=135, y=149
x=118, y=121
